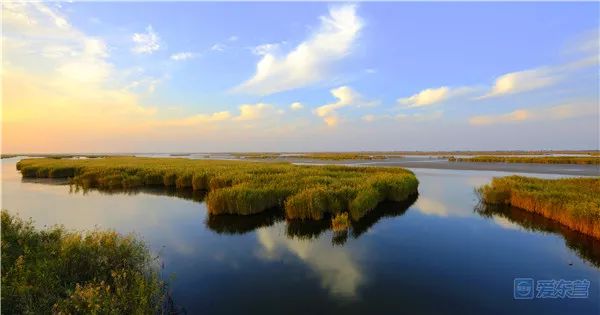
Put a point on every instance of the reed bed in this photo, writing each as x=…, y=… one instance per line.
x=574, y=202
x=61, y=272
x=595, y=160
x=241, y=187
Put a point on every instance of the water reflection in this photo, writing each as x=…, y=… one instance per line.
x=187, y=194
x=508, y=217
x=305, y=229
x=241, y=224
x=338, y=270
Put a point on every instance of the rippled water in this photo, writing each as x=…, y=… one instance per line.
x=436, y=254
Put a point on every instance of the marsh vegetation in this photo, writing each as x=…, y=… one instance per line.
x=381, y=155
x=574, y=202
x=531, y=159
x=59, y=271
x=333, y=156
x=239, y=187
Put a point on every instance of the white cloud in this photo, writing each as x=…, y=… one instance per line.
x=296, y=106
x=146, y=43
x=265, y=49
x=181, y=56
x=434, y=96
x=149, y=83
x=254, y=111
x=587, y=43
x=523, y=81
x=430, y=206
x=308, y=62
x=560, y=112
x=233, y=38
x=217, y=47
x=336, y=267
x=198, y=119
x=345, y=97
x=505, y=223
x=247, y=112
x=426, y=97
x=65, y=71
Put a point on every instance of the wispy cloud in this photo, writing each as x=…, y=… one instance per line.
x=198, y=119
x=78, y=84
x=181, y=56
x=247, y=112
x=296, y=106
x=559, y=112
x=265, y=49
x=523, y=81
x=146, y=43
x=309, y=61
x=218, y=47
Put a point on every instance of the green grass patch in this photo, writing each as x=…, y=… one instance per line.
x=241, y=187
x=58, y=271
x=574, y=202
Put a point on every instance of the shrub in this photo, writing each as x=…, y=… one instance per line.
x=58, y=271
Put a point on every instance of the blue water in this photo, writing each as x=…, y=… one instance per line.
x=438, y=255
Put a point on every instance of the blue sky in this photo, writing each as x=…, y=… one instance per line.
x=369, y=76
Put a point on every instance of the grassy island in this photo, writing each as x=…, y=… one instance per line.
x=531, y=159
x=574, y=202
x=240, y=187
x=61, y=272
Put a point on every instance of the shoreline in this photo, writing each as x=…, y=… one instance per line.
x=558, y=169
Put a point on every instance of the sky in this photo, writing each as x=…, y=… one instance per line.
x=208, y=77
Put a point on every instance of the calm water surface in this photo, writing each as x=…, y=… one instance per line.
x=436, y=255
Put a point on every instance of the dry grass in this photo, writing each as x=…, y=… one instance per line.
x=574, y=202
x=240, y=187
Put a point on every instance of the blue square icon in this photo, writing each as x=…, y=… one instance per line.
x=523, y=289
